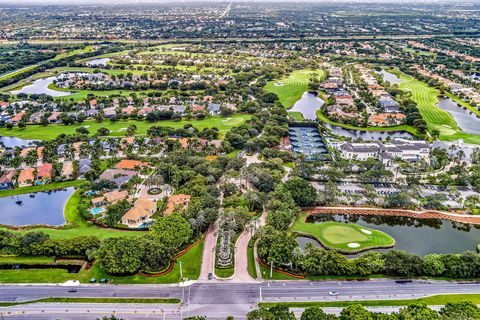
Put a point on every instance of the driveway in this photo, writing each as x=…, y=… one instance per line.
x=208, y=252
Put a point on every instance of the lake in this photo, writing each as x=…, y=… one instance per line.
x=44, y=208
x=40, y=86
x=465, y=119
x=308, y=106
x=420, y=236
x=390, y=77
x=97, y=62
x=367, y=135
x=12, y=142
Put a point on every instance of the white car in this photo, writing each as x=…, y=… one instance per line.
x=333, y=293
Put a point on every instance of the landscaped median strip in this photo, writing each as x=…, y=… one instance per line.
x=95, y=300
x=441, y=299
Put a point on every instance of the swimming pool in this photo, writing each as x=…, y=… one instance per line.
x=96, y=211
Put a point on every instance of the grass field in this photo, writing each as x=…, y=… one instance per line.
x=290, y=88
x=224, y=273
x=95, y=300
x=296, y=116
x=118, y=128
x=343, y=236
x=418, y=52
x=426, y=98
x=252, y=271
x=435, y=300
x=191, y=263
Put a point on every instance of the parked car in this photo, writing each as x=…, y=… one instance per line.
x=103, y=280
x=210, y=276
x=93, y=280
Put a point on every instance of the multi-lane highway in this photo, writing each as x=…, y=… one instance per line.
x=216, y=300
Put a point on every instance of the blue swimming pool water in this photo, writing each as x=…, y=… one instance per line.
x=96, y=211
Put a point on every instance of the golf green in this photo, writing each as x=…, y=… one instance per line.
x=344, y=237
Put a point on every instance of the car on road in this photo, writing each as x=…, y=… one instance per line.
x=333, y=293
x=210, y=276
x=72, y=290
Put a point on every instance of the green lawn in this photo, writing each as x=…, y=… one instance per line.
x=224, y=273
x=426, y=98
x=406, y=128
x=78, y=94
x=347, y=237
x=11, y=74
x=43, y=187
x=296, y=116
x=435, y=300
x=290, y=88
x=95, y=300
x=191, y=263
x=252, y=271
x=118, y=128
x=418, y=52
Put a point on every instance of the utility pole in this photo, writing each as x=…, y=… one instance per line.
x=271, y=270
x=181, y=272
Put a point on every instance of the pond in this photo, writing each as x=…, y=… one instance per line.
x=308, y=105
x=367, y=135
x=420, y=236
x=36, y=208
x=97, y=62
x=12, y=142
x=466, y=120
x=390, y=77
x=40, y=86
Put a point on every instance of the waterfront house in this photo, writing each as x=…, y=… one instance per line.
x=6, y=180
x=26, y=177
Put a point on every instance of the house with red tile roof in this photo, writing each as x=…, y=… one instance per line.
x=44, y=171
x=130, y=164
x=17, y=118
x=177, y=201
x=26, y=177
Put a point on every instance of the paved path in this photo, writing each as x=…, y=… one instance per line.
x=241, y=253
x=208, y=259
x=241, y=258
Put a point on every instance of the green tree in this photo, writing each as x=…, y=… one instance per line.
x=302, y=192
x=463, y=310
x=355, y=312
x=173, y=231
x=417, y=311
x=120, y=255
x=315, y=313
